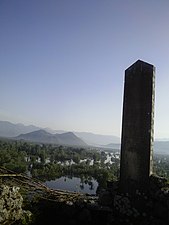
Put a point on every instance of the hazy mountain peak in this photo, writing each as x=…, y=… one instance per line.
x=40, y=131
x=8, y=129
x=42, y=136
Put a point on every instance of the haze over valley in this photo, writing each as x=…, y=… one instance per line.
x=46, y=135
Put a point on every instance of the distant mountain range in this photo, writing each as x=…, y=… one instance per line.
x=42, y=136
x=8, y=129
x=97, y=139
x=47, y=135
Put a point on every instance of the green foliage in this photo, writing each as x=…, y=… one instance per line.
x=11, y=157
x=49, y=171
x=48, y=162
x=161, y=165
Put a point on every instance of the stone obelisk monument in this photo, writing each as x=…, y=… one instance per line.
x=137, y=127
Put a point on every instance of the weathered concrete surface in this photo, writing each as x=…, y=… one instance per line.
x=137, y=127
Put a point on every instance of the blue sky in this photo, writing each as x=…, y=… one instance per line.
x=62, y=62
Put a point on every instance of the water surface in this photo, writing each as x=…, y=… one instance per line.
x=74, y=184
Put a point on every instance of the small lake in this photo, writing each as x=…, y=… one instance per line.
x=74, y=184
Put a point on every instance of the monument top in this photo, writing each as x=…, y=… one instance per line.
x=139, y=64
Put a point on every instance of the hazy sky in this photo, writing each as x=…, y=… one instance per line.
x=62, y=62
